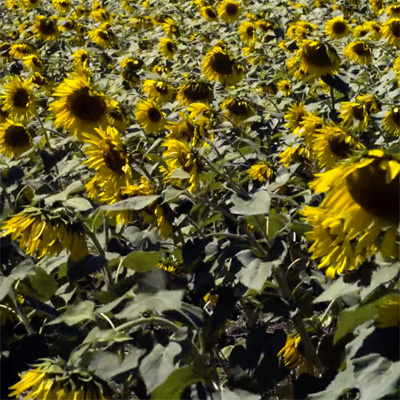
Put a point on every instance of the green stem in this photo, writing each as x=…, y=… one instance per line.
x=24, y=319
x=150, y=320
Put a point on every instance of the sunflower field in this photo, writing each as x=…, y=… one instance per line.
x=199, y=199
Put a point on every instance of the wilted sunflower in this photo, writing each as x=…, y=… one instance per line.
x=41, y=233
x=291, y=351
x=391, y=122
x=62, y=6
x=247, y=32
x=391, y=31
x=80, y=108
x=359, y=52
x=33, y=62
x=284, y=86
x=103, y=36
x=337, y=28
x=167, y=48
x=229, y=11
x=260, y=172
x=195, y=92
x=46, y=27
x=237, y=109
x=158, y=91
x=209, y=13
x=149, y=116
x=219, y=66
x=18, y=99
x=54, y=379
x=354, y=115
x=360, y=207
x=15, y=139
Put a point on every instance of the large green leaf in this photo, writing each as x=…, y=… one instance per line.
x=134, y=203
x=141, y=261
x=258, y=204
x=43, y=284
x=337, y=289
x=76, y=313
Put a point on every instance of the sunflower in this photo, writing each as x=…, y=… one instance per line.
x=209, y=13
x=371, y=101
x=359, y=52
x=389, y=312
x=4, y=114
x=247, y=32
x=330, y=144
x=391, y=31
x=219, y=66
x=117, y=116
x=393, y=11
x=103, y=36
x=375, y=29
x=229, y=11
x=33, y=62
x=54, y=379
x=237, y=109
x=67, y=25
x=80, y=57
x=362, y=31
x=391, y=122
x=101, y=15
x=21, y=50
x=183, y=130
x=291, y=351
x=377, y=6
x=15, y=139
x=361, y=206
x=39, y=80
x=18, y=99
x=154, y=215
x=42, y=233
x=167, y=48
x=170, y=28
x=132, y=64
x=62, y=6
x=158, y=91
x=300, y=30
x=337, y=28
x=355, y=115
x=201, y=115
x=149, y=116
x=284, y=86
x=80, y=108
x=195, y=92
x=260, y=172
x=294, y=115
x=30, y=4
x=46, y=27
x=298, y=153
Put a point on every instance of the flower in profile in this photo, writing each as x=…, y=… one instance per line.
x=298, y=153
x=391, y=122
x=359, y=215
x=237, y=109
x=54, y=379
x=284, y=86
x=389, y=312
x=167, y=48
x=195, y=92
x=354, y=115
x=15, y=139
x=229, y=10
x=209, y=13
x=41, y=233
x=359, y=52
x=337, y=28
x=46, y=27
x=169, y=27
x=300, y=30
x=154, y=215
x=18, y=99
x=21, y=50
x=260, y=171
x=291, y=351
x=62, y=6
x=80, y=58
x=159, y=91
x=79, y=108
x=170, y=264
x=39, y=80
x=391, y=31
x=132, y=64
x=33, y=62
x=247, y=32
x=219, y=66
x=201, y=115
x=149, y=116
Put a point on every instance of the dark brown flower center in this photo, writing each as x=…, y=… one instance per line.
x=362, y=49
x=222, y=63
x=21, y=98
x=211, y=13
x=161, y=87
x=170, y=47
x=239, y=108
x=368, y=188
x=154, y=114
x=339, y=147
x=231, y=9
x=89, y=108
x=16, y=136
x=250, y=31
x=339, y=27
x=113, y=159
x=395, y=28
x=197, y=91
x=317, y=55
x=47, y=27
x=359, y=112
x=104, y=35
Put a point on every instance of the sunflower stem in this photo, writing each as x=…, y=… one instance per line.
x=21, y=313
x=46, y=135
x=332, y=98
x=150, y=320
x=6, y=194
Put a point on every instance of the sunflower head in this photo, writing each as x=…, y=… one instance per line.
x=391, y=122
x=149, y=116
x=337, y=28
x=15, y=139
x=247, y=32
x=46, y=27
x=167, y=48
x=291, y=352
x=195, y=92
x=33, y=62
x=260, y=172
x=237, y=109
x=391, y=31
x=354, y=115
x=229, y=10
x=209, y=13
x=158, y=90
x=359, y=52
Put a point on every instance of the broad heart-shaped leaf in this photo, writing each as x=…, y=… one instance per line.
x=159, y=364
x=254, y=272
x=155, y=302
x=141, y=261
x=96, y=336
x=62, y=196
x=76, y=313
x=134, y=203
x=43, y=284
x=179, y=174
x=335, y=290
x=258, y=204
x=79, y=203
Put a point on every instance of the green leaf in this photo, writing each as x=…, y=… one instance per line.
x=62, y=196
x=179, y=173
x=159, y=364
x=175, y=384
x=43, y=284
x=171, y=194
x=134, y=203
x=141, y=261
x=335, y=290
x=75, y=314
x=79, y=203
x=97, y=336
x=5, y=286
x=258, y=204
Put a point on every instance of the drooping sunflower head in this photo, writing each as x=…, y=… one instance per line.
x=157, y=90
x=18, y=99
x=132, y=64
x=260, y=171
x=354, y=115
x=80, y=108
x=46, y=27
x=237, y=109
x=229, y=10
x=149, y=116
x=291, y=352
x=15, y=139
x=117, y=116
x=359, y=52
x=371, y=101
x=391, y=122
x=167, y=48
x=195, y=92
x=391, y=31
x=337, y=28
x=103, y=36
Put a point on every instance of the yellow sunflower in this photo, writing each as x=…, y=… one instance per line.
x=360, y=213
x=291, y=351
x=21, y=50
x=18, y=99
x=149, y=116
x=158, y=91
x=359, y=52
x=229, y=10
x=195, y=92
x=371, y=101
x=337, y=28
x=46, y=27
x=41, y=233
x=298, y=153
x=167, y=48
x=354, y=115
x=294, y=115
x=30, y=4
x=80, y=57
x=62, y=6
x=363, y=31
x=209, y=13
x=15, y=139
x=300, y=30
x=247, y=32
x=39, y=80
x=219, y=66
x=260, y=172
x=117, y=116
x=391, y=122
x=377, y=6
x=183, y=130
x=103, y=36
x=170, y=28
x=391, y=31
x=237, y=109
x=132, y=64
x=33, y=62
x=393, y=11
x=80, y=108
x=375, y=29
x=284, y=86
